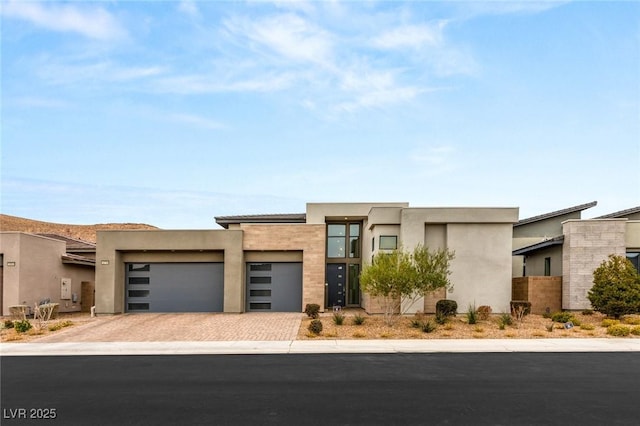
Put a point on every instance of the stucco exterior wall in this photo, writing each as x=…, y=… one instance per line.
x=309, y=239
x=318, y=213
x=38, y=272
x=587, y=243
x=535, y=261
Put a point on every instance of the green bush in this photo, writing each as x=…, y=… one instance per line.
x=338, y=318
x=504, y=320
x=441, y=318
x=428, y=326
x=618, y=330
x=416, y=323
x=587, y=312
x=359, y=319
x=22, y=326
x=312, y=310
x=446, y=307
x=616, y=287
x=315, y=326
x=635, y=330
x=8, y=324
x=472, y=314
x=483, y=312
x=562, y=317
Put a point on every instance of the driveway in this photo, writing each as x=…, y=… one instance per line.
x=171, y=327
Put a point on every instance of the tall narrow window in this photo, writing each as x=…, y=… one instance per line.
x=547, y=266
x=336, y=240
x=354, y=240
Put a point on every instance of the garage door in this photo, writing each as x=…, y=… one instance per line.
x=174, y=287
x=274, y=287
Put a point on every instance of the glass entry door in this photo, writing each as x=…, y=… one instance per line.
x=343, y=264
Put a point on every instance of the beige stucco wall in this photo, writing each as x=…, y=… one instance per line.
x=114, y=248
x=587, y=243
x=38, y=272
x=308, y=239
x=535, y=261
x=318, y=213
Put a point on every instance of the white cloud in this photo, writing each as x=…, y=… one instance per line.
x=287, y=35
x=94, y=23
x=411, y=36
x=189, y=8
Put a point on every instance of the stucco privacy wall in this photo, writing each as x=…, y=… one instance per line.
x=310, y=239
x=587, y=243
x=482, y=241
x=37, y=272
x=116, y=247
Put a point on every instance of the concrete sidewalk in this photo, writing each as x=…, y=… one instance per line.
x=320, y=346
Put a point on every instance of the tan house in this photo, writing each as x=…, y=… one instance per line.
x=282, y=262
x=559, y=251
x=35, y=268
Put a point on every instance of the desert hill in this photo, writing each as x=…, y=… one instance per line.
x=82, y=232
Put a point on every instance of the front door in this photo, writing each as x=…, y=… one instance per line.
x=336, y=284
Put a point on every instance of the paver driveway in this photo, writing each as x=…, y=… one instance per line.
x=181, y=327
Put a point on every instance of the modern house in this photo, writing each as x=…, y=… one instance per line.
x=556, y=253
x=282, y=262
x=38, y=267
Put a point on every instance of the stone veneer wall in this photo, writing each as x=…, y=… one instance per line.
x=543, y=293
x=310, y=239
x=587, y=243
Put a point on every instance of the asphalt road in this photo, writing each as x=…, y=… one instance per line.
x=324, y=389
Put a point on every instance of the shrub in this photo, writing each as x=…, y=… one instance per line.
x=315, y=326
x=441, y=318
x=520, y=308
x=22, y=325
x=428, y=326
x=635, y=330
x=8, y=324
x=416, y=323
x=616, y=287
x=359, y=319
x=607, y=322
x=586, y=327
x=562, y=317
x=504, y=320
x=312, y=310
x=446, y=307
x=587, y=312
x=632, y=320
x=618, y=330
x=338, y=318
x=472, y=315
x=483, y=312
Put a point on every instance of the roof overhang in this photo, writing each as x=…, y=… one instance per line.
x=73, y=259
x=524, y=251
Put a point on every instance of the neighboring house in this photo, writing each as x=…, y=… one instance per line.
x=282, y=262
x=39, y=267
x=557, y=270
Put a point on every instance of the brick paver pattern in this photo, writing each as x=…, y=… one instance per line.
x=167, y=327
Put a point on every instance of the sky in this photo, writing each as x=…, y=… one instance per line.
x=173, y=112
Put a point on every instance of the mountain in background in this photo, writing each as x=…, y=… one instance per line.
x=81, y=232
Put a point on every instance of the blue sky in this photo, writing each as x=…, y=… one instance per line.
x=171, y=113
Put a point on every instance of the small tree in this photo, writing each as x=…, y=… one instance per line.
x=616, y=287
x=401, y=278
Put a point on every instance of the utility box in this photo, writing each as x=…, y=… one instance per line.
x=65, y=288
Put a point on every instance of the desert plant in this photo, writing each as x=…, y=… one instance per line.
x=608, y=322
x=315, y=326
x=586, y=327
x=359, y=319
x=632, y=321
x=562, y=316
x=416, y=323
x=618, y=330
x=472, y=314
x=446, y=307
x=616, y=287
x=483, y=312
x=520, y=308
x=8, y=324
x=312, y=310
x=22, y=326
x=587, y=312
x=441, y=318
x=635, y=330
x=428, y=326
x=549, y=327
x=504, y=320
x=338, y=318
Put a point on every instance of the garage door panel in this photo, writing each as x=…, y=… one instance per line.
x=274, y=287
x=175, y=287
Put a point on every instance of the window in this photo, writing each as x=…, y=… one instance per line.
x=634, y=257
x=354, y=240
x=547, y=266
x=336, y=240
x=139, y=267
x=388, y=242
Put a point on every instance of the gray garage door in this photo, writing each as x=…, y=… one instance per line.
x=274, y=287
x=174, y=287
